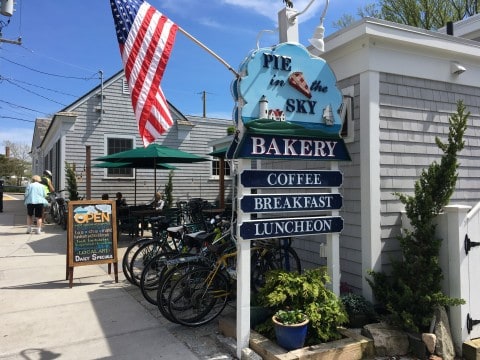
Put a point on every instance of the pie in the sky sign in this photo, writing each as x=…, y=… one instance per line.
x=285, y=90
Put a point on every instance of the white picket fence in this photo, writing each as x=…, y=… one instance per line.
x=459, y=228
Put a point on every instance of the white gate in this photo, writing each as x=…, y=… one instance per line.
x=459, y=228
x=472, y=252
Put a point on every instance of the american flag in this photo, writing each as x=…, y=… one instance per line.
x=146, y=40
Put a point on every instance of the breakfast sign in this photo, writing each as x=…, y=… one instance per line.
x=289, y=105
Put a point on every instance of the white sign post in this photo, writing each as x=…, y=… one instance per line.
x=333, y=247
x=243, y=270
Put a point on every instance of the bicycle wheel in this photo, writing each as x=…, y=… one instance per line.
x=54, y=212
x=142, y=256
x=62, y=217
x=285, y=258
x=199, y=296
x=261, y=263
x=154, y=271
x=169, y=275
x=128, y=255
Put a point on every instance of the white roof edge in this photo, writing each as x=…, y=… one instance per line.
x=404, y=33
x=468, y=28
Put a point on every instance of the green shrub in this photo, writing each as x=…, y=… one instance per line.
x=168, y=191
x=413, y=290
x=308, y=294
x=71, y=182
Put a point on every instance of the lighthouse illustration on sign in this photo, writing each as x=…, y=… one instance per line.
x=285, y=90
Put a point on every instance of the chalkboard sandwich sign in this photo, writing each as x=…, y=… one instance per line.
x=92, y=235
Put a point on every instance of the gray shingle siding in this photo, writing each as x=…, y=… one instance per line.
x=412, y=113
x=189, y=181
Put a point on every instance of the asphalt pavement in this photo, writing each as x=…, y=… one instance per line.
x=41, y=317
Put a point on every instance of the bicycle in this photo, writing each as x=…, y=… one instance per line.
x=57, y=208
x=62, y=212
x=198, y=294
x=164, y=239
x=270, y=254
x=198, y=242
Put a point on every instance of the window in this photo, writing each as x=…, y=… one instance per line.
x=115, y=145
x=216, y=169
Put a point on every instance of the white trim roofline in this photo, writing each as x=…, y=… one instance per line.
x=402, y=33
x=383, y=46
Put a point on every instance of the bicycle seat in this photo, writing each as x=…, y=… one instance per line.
x=218, y=249
x=175, y=229
x=197, y=239
x=159, y=223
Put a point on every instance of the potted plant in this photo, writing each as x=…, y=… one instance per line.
x=290, y=328
x=360, y=311
x=308, y=294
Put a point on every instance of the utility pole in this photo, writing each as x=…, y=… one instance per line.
x=204, y=102
x=6, y=9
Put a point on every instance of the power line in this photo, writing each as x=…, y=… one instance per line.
x=49, y=74
x=14, y=118
x=20, y=106
x=34, y=93
x=37, y=53
x=38, y=86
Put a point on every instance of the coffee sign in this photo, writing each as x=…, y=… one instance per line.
x=291, y=178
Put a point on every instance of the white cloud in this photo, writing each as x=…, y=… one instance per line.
x=270, y=8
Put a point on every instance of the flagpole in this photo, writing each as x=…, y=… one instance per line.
x=208, y=50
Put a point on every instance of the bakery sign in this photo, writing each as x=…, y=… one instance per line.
x=289, y=104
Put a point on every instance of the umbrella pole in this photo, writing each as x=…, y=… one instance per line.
x=155, y=174
x=135, y=198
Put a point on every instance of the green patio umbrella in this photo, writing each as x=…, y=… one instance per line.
x=149, y=157
x=120, y=165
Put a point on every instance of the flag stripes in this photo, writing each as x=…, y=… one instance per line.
x=145, y=44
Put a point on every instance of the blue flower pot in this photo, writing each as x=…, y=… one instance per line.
x=290, y=337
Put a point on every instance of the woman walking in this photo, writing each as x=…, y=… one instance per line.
x=35, y=201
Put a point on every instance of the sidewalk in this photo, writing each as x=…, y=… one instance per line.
x=42, y=318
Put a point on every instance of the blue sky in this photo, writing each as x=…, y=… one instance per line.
x=66, y=43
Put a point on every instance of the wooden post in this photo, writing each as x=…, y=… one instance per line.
x=221, y=183
x=88, y=170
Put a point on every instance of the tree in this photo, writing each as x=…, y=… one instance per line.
x=413, y=290
x=17, y=165
x=168, y=191
x=425, y=14
x=369, y=10
x=71, y=182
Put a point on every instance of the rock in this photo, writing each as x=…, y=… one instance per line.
x=444, y=347
x=388, y=341
x=430, y=341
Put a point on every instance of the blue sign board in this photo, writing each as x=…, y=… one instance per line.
x=274, y=228
x=285, y=88
x=264, y=146
x=262, y=203
x=291, y=178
